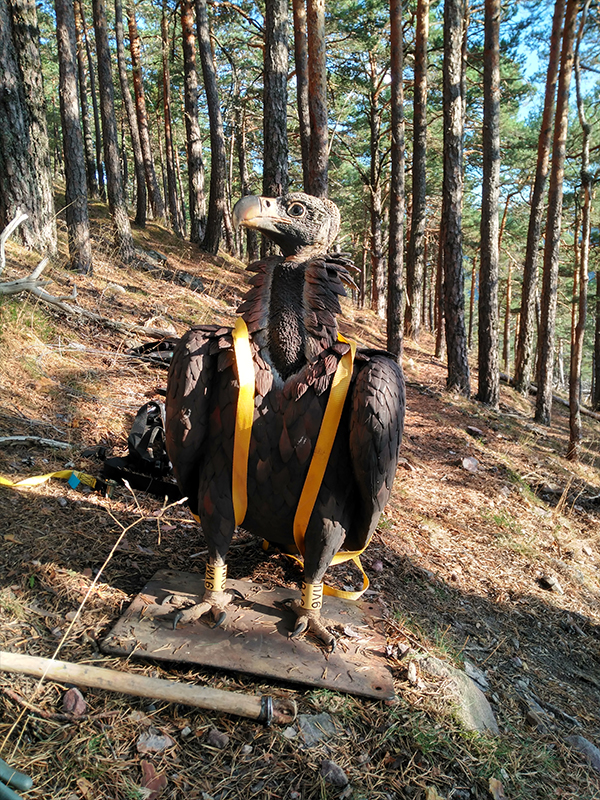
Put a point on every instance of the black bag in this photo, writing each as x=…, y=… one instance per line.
x=146, y=465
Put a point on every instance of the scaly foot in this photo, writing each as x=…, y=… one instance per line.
x=215, y=602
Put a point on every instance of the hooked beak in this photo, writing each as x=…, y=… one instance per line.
x=256, y=212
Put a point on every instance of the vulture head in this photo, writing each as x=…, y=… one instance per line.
x=300, y=224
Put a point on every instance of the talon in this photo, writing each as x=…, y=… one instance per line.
x=301, y=627
x=167, y=600
x=176, y=619
x=237, y=594
x=220, y=620
x=333, y=645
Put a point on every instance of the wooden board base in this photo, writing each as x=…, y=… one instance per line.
x=254, y=638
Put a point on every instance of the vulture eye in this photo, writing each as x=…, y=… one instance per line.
x=296, y=210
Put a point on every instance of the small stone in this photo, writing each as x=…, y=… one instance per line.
x=473, y=431
x=62, y=501
x=217, y=738
x=587, y=550
x=405, y=464
x=517, y=662
x=412, y=673
x=587, y=749
x=185, y=732
x=377, y=565
x=333, y=774
x=246, y=750
x=74, y=703
x=477, y=675
x=550, y=583
x=316, y=727
x=290, y=732
x=470, y=464
x=152, y=741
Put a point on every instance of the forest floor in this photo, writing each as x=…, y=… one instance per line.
x=486, y=512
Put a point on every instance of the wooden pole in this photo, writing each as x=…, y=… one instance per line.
x=262, y=708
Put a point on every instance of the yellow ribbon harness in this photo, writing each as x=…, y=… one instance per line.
x=320, y=458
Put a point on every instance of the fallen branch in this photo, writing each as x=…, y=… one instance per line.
x=12, y=226
x=261, y=708
x=36, y=439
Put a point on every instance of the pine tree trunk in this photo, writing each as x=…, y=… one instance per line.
x=25, y=169
x=216, y=204
x=317, y=98
x=378, y=277
x=575, y=431
x=96, y=111
x=452, y=194
x=472, y=293
x=525, y=352
x=415, y=255
x=506, y=338
x=301, y=63
x=543, y=406
x=395, y=287
x=114, y=181
x=76, y=208
x=156, y=201
x=489, y=371
x=136, y=145
x=197, y=199
x=276, y=58
x=88, y=139
x=174, y=209
x=240, y=133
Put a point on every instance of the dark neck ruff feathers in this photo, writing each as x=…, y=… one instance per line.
x=291, y=308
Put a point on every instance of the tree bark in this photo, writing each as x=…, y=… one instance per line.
x=88, y=139
x=451, y=242
x=174, y=209
x=114, y=183
x=216, y=205
x=76, y=208
x=543, y=408
x=96, y=111
x=575, y=430
x=25, y=169
x=197, y=199
x=240, y=143
x=395, y=281
x=415, y=255
x=276, y=60
x=524, y=350
x=489, y=371
x=317, y=98
x=156, y=201
x=301, y=62
x=136, y=145
x=378, y=276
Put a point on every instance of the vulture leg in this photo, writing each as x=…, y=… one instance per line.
x=324, y=538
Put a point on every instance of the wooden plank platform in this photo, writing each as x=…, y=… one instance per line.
x=254, y=638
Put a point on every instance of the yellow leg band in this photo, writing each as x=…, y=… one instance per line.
x=312, y=596
x=215, y=577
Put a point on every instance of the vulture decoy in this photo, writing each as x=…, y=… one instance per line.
x=290, y=314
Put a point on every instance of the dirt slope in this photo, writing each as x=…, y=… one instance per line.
x=486, y=515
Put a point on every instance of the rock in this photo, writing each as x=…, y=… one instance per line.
x=470, y=464
x=247, y=750
x=316, y=727
x=289, y=733
x=151, y=741
x=587, y=550
x=473, y=710
x=333, y=774
x=412, y=673
x=377, y=565
x=73, y=703
x=473, y=431
x=477, y=675
x=550, y=583
x=587, y=749
x=217, y=738
x=185, y=732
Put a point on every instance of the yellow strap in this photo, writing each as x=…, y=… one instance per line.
x=37, y=480
x=320, y=458
x=318, y=465
x=243, y=420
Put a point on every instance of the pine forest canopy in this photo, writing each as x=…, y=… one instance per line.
x=212, y=101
